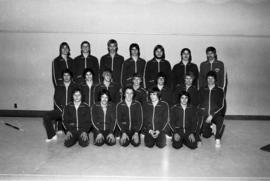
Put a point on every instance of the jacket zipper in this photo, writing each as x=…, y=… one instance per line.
x=153, y=116
x=129, y=118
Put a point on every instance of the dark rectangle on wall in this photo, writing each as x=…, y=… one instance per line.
x=34, y=113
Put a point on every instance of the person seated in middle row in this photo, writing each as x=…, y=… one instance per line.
x=129, y=118
x=103, y=119
x=183, y=121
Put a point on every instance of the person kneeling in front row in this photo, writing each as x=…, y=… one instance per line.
x=183, y=121
x=104, y=120
x=77, y=120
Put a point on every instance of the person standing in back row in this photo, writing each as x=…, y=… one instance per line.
x=112, y=61
x=83, y=61
x=156, y=65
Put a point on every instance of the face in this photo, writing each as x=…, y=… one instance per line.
x=185, y=55
x=184, y=100
x=107, y=76
x=129, y=95
x=88, y=76
x=66, y=77
x=77, y=96
x=137, y=81
x=210, y=80
x=64, y=50
x=188, y=81
x=159, y=53
x=112, y=48
x=134, y=52
x=85, y=48
x=104, y=99
x=154, y=97
x=161, y=81
x=210, y=55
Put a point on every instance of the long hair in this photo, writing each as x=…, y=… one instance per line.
x=182, y=52
x=134, y=45
x=112, y=41
x=62, y=45
x=85, y=42
x=162, y=49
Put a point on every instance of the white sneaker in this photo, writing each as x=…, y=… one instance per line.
x=214, y=129
x=52, y=139
x=60, y=132
x=218, y=144
x=199, y=144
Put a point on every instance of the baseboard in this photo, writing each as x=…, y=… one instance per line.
x=35, y=113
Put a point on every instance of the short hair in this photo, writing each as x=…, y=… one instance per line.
x=137, y=75
x=124, y=91
x=161, y=74
x=186, y=49
x=185, y=93
x=104, y=92
x=190, y=74
x=77, y=89
x=162, y=49
x=62, y=45
x=88, y=70
x=155, y=90
x=211, y=74
x=85, y=42
x=67, y=71
x=134, y=45
x=112, y=41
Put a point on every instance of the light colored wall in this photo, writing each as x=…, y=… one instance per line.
x=31, y=31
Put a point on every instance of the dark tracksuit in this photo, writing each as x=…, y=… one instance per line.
x=129, y=68
x=180, y=70
x=166, y=95
x=192, y=90
x=77, y=121
x=152, y=68
x=183, y=122
x=113, y=88
x=129, y=120
x=219, y=68
x=115, y=65
x=62, y=97
x=155, y=118
x=103, y=123
x=81, y=63
x=211, y=103
x=141, y=95
x=58, y=65
x=88, y=93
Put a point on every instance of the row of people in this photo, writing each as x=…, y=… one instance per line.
x=207, y=103
x=123, y=70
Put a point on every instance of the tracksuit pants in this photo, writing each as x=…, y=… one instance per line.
x=105, y=140
x=76, y=136
x=184, y=140
x=160, y=141
x=52, y=121
x=130, y=140
x=207, y=130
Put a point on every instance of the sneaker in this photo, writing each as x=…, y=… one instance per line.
x=60, y=132
x=214, y=129
x=218, y=144
x=199, y=144
x=52, y=139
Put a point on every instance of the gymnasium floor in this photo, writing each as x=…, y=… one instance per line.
x=26, y=156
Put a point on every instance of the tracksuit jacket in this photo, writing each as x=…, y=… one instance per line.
x=183, y=121
x=63, y=96
x=141, y=95
x=115, y=65
x=113, y=88
x=129, y=68
x=166, y=95
x=129, y=119
x=155, y=118
x=180, y=70
x=152, y=68
x=81, y=63
x=77, y=120
x=192, y=90
x=216, y=66
x=88, y=93
x=211, y=101
x=58, y=65
x=103, y=121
